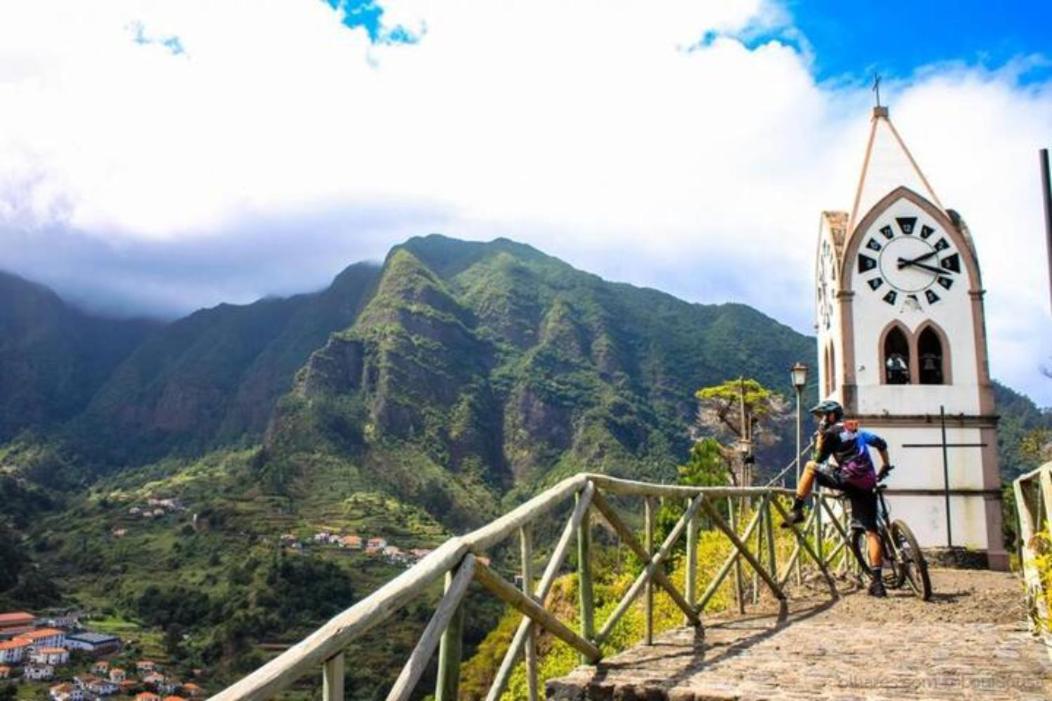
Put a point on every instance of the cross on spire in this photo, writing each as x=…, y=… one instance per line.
x=876, y=86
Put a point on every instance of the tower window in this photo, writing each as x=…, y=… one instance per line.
x=896, y=358
x=930, y=358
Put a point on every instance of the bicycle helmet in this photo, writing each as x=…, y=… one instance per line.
x=828, y=407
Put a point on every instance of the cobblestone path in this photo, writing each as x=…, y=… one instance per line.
x=969, y=642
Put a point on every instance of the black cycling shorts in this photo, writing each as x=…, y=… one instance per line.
x=863, y=501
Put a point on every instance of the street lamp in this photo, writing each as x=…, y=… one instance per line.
x=798, y=375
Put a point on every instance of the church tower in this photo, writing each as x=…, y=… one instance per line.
x=902, y=340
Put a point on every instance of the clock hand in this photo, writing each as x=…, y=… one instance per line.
x=903, y=263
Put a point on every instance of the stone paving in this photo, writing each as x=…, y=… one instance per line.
x=970, y=642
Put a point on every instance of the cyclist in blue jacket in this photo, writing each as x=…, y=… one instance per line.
x=853, y=474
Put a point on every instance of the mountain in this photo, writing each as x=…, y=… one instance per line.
x=482, y=368
x=1019, y=417
x=213, y=377
x=53, y=357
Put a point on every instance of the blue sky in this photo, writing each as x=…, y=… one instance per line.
x=895, y=38
x=853, y=40
x=159, y=157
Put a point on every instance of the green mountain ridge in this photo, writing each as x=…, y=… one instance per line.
x=504, y=369
x=212, y=378
x=53, y=357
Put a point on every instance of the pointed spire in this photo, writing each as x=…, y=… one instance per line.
x=888, y=164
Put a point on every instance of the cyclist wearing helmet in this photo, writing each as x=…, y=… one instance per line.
x=853, y=474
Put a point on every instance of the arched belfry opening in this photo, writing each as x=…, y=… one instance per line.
x=931, y=358
x=896, y=355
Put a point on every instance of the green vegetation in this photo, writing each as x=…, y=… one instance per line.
x=409, y=401
x=1023, y=434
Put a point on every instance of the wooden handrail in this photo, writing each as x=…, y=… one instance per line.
x=460, y=560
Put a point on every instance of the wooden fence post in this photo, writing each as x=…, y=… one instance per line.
x=584, y=577
x=739, y=595
x=449, y=651
x=526, y=543
x=691, y=581
x=648, y=591
x=332, y=678
x=772, y=554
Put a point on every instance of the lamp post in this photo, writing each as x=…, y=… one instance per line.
x=798, y=374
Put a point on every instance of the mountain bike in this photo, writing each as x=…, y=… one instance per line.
x=903, y=560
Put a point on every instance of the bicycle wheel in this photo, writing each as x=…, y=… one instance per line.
x=892, y=572
x=912, y=559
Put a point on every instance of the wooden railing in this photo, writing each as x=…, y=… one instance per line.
x=1033, y=498
x=462, y=560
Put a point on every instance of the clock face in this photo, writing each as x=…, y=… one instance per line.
x=909, y=262
x=824, y=293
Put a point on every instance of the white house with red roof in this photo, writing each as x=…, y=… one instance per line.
x=14, y=651
x=38, y=672
x=46, y=637
x=66, y=692
x=49, y=656
x=16, y=619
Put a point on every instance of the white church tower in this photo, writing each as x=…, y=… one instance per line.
x=902, y=338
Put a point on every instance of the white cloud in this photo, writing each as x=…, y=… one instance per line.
x=582, y=127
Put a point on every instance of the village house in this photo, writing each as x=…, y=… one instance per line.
x=145, y=666
x=93, y=643
x=353, y=542
x=118, y=675
x=174, y=698
x=96, y=685
x=100, y=668
x=46, y=637
x=168, y=686
x=375, y=545
x=54, y=656
x=15, y=632
x=38, y=672
x=135, y=511
x=419, y=553
x=13, y=651
x=192, y=690
x=154, y=679
x=66, y=692
x=119, y=532
x=5, y=672
x=16, y=619
x=147, y=696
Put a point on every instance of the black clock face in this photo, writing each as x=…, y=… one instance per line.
x=909, y=260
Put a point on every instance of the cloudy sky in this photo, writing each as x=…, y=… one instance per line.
x=159, y=156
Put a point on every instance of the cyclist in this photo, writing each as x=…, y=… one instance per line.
x=853, y=474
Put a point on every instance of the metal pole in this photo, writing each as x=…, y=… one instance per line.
x=1046, y=195
x=799, y=433
x=946, y=476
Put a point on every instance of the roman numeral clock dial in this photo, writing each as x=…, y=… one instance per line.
x=909, y=262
